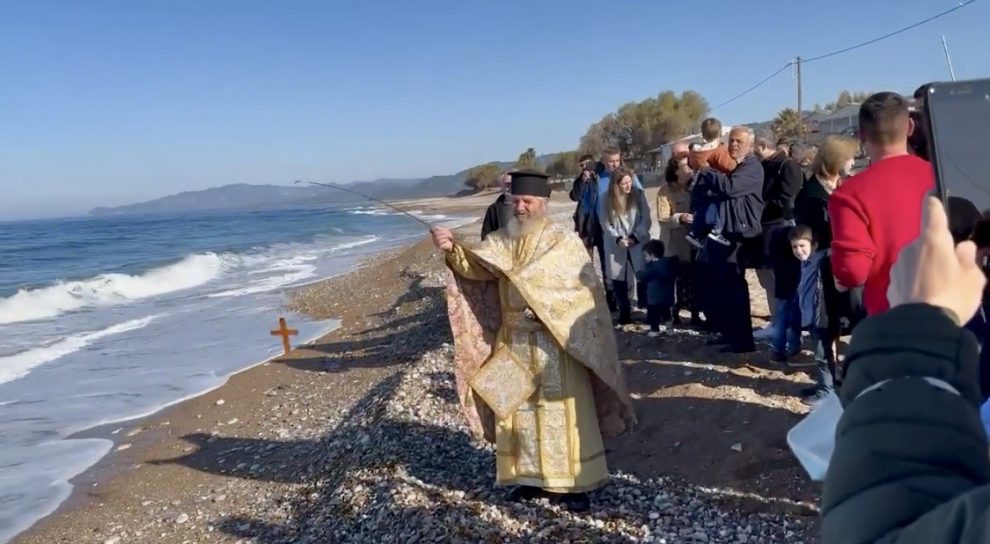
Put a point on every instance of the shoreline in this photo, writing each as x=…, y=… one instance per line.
x=129, y=434
x=137, y=440
x=298, y=442
x=112, y=462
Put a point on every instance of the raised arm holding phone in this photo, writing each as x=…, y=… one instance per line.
x=911, y=461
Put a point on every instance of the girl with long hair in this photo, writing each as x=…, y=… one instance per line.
x=625, y=217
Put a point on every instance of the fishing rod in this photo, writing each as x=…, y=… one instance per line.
x=371, y=198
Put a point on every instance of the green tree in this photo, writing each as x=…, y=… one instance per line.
x=637, y=127
x=526, y=160
x=483, y=176
x=564, y=165
x=789, y=124
x=846, y=98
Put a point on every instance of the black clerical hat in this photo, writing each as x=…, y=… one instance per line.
x=530, y=182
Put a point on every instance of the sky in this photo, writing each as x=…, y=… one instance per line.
x=111, y=102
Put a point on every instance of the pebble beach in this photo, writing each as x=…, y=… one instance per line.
x=357, y=437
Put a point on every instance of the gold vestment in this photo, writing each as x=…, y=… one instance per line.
x=538, y=297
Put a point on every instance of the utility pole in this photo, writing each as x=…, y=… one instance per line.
x=948, y=59
x=799, y=87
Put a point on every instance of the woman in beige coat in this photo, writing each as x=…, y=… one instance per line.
x=674, y=216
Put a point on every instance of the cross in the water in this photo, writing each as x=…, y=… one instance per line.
x=285, y=332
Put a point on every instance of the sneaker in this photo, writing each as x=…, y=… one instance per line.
x=779, y=357
x=694, y=241
x=818, y=395
x=720, y=239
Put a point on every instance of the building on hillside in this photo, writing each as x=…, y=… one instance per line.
x=844, y=120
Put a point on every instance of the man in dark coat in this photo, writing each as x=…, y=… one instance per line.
x=727, y=293
x=587, y=180
x=783, y=178
x=910, y=463
x=500, y=211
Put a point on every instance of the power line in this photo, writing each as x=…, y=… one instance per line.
x=892, y=34
x=754, y=87
x=845, y=50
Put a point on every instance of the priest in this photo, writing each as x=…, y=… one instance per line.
x=498, y=213
x=536, y=365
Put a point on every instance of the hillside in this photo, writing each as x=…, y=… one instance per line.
x=245, y=196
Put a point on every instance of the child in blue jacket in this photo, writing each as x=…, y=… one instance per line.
x=659, y=275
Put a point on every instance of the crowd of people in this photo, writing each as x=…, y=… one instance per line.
x=820, y=240
x=537, y=367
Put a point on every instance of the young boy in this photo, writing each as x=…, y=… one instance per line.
x=711, y=153
x=659, y=276
x=786, y=325
x=810, y=295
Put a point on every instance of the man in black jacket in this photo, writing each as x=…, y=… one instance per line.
x=911, y=463
x=499, y=212
x=782, y=181
x=727, y=293
x=581, y=183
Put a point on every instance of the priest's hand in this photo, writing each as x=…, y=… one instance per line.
x=442, y=238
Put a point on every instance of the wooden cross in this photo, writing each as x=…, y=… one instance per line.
x=285, y=333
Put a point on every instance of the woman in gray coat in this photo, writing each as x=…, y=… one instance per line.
x=625, y=217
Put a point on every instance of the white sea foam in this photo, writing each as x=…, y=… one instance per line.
x=356, y=243
x=369, y=212
x=110, y=289
x=289, y=271
x=385, y=212
x=18, y=365
x=294, y=274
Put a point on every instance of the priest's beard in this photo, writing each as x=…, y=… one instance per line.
x=520, y=227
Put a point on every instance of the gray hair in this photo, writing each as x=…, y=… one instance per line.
x=743, y=128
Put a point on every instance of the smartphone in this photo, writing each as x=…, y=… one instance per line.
x=956, y=120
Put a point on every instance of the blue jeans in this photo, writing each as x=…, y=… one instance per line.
x=824, y=358
x=787, y=326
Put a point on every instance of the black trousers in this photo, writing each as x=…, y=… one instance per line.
x=687, y=298
x=657, y=314
x=707, y=294
x=609, y=288
x=727, y=294
x=622, y=302
x=641, y=295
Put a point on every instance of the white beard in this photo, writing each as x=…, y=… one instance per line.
x=521, y=228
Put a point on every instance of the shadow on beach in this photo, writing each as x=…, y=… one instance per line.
x=403, y=337
x=408, y=471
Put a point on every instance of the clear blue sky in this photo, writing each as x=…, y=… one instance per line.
x=109, y=102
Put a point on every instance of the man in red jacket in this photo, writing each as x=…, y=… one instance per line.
x=876, y=213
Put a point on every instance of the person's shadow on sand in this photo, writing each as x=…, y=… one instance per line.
x=416, y=455
x=352, y=475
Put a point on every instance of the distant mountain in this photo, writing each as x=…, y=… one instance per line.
x=245, y=196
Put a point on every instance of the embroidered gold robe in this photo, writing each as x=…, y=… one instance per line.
x=539, y=297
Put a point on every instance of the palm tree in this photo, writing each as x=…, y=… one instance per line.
x=789, y=124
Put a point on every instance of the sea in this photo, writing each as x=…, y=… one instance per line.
x=105, y=319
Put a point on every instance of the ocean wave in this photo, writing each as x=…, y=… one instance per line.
x=292, y=275
x=356, y=243
x=17, y=366
x=290, y=270
x=382, y=212
x=110, y=289
x=370, y=212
